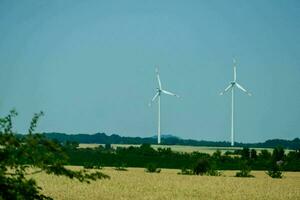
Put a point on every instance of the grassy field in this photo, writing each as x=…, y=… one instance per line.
x=136, y=184
x=179, y=148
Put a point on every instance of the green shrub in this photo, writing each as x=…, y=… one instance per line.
x=274, y=174
x=98, y=167
x=213, y=172
x=245, y=171
x=201, y=167
x=121, y=168
x=151, y=168
x=186, y=171
x=274, y=171
x=88, y=166
x=92, y=166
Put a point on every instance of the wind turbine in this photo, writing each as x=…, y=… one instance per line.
x=233, y=84
x=158, y=94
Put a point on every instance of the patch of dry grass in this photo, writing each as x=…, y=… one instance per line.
x=136, y=184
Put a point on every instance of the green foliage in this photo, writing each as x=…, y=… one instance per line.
x=209, y=172
x=186, y=171
x=213, y=172
x=245, y=153
x=98, y=167
x=217, y=154
x=278, y=154
x=34, y=151
x=274, y=171
x=34, y=121
x=202, y=166
x=227, y=153
x=292, y=161
x=108, y=146
x=253, y=154
x=265, y=154
x=71, y=144
x=152, y=168
x=19, y=188
x=121, y=167
x=92, y=166
x=135, y=156
x=88, y=166
x=245, y=171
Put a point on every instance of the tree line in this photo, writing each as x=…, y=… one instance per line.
x=144, y=155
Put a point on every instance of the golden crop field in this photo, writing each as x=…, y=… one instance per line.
x=137, y=184
x=179, y=148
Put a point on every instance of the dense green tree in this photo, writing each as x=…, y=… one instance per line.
x=34, y=151
x=278, y=154
x=202, y=166
x=253, y=154
x=217, y=155
x=245, y=153
x=264, y=155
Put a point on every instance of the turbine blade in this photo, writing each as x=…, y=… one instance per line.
x=234, y=73
x=169, y=93
x=243, y=89
x=158, y=78
x=153, y=99
x=234, y=69
x=226, y=89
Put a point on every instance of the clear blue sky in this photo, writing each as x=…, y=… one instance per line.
x=89, y=65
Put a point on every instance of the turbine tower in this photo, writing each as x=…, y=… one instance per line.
x=158, y=94
x=231, y=87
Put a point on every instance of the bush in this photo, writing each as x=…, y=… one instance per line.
x=274, y=171
x=245, y=153
x=245, y=171
x=151, y=168
x=98, y=167
x=213, y=172
x=186, y=171
x=88, y=166
x=121, y=168
x=92, y=166
x=209, y=172
x=201, y=167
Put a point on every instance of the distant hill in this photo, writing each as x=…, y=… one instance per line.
x=165, y=136
x=102, y=138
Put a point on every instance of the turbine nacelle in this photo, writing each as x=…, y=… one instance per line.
x=159, y=89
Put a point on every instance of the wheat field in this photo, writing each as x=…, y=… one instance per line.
x=137, y=184
x=181, y=148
